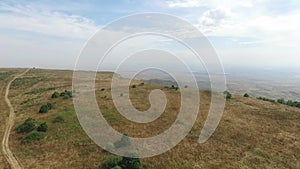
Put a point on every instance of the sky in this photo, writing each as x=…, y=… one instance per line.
x=244, y=33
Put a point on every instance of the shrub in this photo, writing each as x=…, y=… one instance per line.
x=66, y=94
x=58, y=119
x=131, y=162
x=246, y=95
x=133, y=86
x=227, y=95
x=112, y=161
x=116, y=162
x=45, y=108
x=55, y=95
x=124, y=142
x=42, y=127
x=141, y=84
x=102, y=89
x=281, y=101
x=33, y=136
x=27, y=126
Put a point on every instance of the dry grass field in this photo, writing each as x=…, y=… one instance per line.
x=251, y=134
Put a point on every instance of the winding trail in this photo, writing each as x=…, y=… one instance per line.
x=14, y=164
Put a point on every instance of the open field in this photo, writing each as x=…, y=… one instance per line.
x=252, y=133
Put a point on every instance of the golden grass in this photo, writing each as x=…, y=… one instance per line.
x=252, y=133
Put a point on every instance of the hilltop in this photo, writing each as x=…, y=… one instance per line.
x=252, y=133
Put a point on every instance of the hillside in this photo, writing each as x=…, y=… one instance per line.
x=252, y=133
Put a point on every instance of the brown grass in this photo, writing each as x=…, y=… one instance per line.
x=252, y=133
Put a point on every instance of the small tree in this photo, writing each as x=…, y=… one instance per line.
x=112, y=161
x=246, y=95
x=27, y=126
x=42, y=127
x=55, y=95
x=131, y=162
x=33, y=136
x=227, y=95
x=281, y=101
x=45, y=108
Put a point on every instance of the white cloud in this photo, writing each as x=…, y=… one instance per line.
x=51, y=23
x=186, y=3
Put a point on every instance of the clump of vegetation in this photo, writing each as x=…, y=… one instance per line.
x=102, y=89
x=246, y=95
x=111, y=162
x=55, y=95
x=58, y=119
x=66, y=94
x=228, y=95
x=42, y=127
x=141, y=84
x=174, y=87
x=124, y=142
x=266, y=99
x=133, y=86
x=282, y=101
x=46, y=107
x=33, y=136
x=117, y=162
x=27, y=126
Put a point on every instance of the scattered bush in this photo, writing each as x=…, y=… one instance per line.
x=112, y=161
x=246, y=95
x=141, y=84
x=55, y=95
x=121, y=94
x=131, y=162
x=33, y=136
x=281, y=101
x=227, y=95
x=27, y=126
x=45, y=108
x=102, y=89
x=266, y=99
x=66, y=93
x=58, y=119
x=42, y=127
x=133, y=86
x=124, y=142
x=116, y=162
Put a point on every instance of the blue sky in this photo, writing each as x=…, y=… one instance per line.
x=50, y=34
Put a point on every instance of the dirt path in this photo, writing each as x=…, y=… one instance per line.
x=9, y=124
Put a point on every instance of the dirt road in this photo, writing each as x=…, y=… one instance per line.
x=9, y=124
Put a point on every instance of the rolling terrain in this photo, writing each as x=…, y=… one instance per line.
x=252, y=133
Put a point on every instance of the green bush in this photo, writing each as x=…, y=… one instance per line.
x=67, y=94
x=227, y=95
x=124, y=142
x=112, y=161
x=27, y=126
x=33, y=136
x=116, y=162
x=45, y=108
x=55, y=95
x=246, y=95
x=281, y=101
x=131, y=161
x=58, y=119
x=42, y=127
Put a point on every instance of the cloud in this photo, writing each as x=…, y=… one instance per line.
x=185, y=3
x=53, y=23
